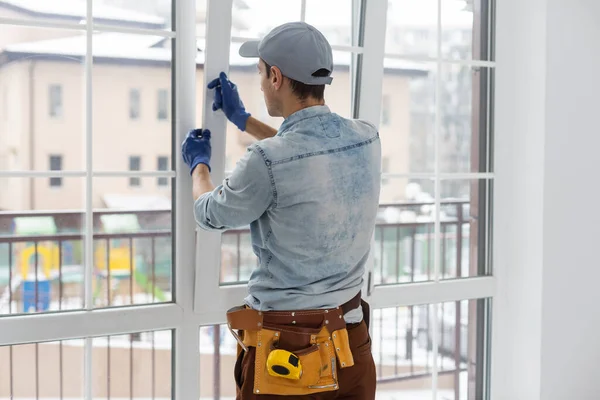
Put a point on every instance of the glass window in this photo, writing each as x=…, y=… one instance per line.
x=55, y=101
x=133, y=242
x=163, y=104
x=412, y=27
x=163, y=165
x=409, y=104
x=55, y=165
x=404, y=353
x=134, y=165
x=42, y=370
x=134, y=366
x=134, y=103
x=41, y=245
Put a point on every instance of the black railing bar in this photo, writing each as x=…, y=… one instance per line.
x=131, y=271
x=108, y=277
x=37, y=369
x=396, y=330
x=10, y=276
x=60, y=368
x=37, y=294
x=11, y=373
x=60, y=277
x=131, y=367
x=108, y=367
x=153, y=257
x=153, y=384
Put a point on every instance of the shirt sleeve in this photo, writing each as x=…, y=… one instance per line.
x=240, y=199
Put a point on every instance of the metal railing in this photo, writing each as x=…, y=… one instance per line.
x=134, y=267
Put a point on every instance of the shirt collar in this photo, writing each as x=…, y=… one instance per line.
x=305, y=113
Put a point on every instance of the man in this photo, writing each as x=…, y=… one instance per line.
x=310, y=193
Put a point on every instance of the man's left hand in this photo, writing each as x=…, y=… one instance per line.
x=196, y=148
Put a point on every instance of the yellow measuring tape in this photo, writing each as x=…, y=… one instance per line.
x=284, y=364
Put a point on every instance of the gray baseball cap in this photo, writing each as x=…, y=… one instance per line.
x=297, y=49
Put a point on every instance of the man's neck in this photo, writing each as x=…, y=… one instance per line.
x=297, y=106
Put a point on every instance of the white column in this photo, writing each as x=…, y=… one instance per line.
x=546, y=322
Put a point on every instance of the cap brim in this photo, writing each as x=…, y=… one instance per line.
x=249, y=49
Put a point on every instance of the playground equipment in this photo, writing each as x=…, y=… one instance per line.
x=117, y=256
x=120, y=262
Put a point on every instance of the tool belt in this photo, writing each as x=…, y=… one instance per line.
x=316, y=341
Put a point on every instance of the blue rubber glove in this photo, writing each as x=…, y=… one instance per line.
x=196, y=148
x=227, y=98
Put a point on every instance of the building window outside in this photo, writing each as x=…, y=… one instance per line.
x=163, y=165
x=134, y=103
x=385, y=110
x=55, y=165
x=135, y=163
x=163, y=104
x=55, y=94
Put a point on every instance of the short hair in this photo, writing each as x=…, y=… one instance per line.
x=302, y=90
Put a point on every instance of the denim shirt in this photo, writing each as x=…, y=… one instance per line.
x=310, y=195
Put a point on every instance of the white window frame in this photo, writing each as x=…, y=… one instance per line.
x=198, y=298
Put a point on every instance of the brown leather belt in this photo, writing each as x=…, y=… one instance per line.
x=246, y=319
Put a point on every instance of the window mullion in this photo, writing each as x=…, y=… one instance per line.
x=369, y=83
x=186, y=361
x=89, y=218
x=218, y=37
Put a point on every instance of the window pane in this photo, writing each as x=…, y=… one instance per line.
x=412, y=28
x=333, y=18
x=463, y=348
x=465, y=29
x=163, y=165
x=134, y=103
x=404, y=367
x=49, y=370
x=55, y=165
x=134, y=165
x=133, y=13
x=217, y=358
x=404, y=232
x=41, y=249
x=464, y=137
x=134, y=366
x=163, y=105
x=255, y=18
x=133, y=248
x=55, y=101
x=466, y=217
x=409, y=96
x=126, y=64
x=41, y=77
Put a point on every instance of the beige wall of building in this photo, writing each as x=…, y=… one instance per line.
x=116, y=136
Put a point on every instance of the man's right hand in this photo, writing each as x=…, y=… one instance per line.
x=228, y=99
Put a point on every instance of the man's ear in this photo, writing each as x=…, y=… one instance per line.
x=276, y=77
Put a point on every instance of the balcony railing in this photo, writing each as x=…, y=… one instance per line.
x=132, y=265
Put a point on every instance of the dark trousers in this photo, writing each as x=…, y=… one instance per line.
x=356, y=383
